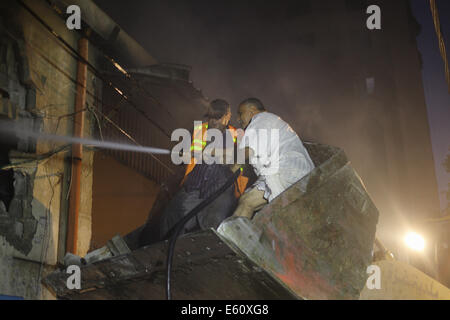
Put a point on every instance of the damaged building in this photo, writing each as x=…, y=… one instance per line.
x=40, y=74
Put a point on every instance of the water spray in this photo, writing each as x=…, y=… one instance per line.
x=24, y=134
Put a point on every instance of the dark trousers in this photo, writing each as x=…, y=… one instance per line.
x=210, y=217
x=181, y=204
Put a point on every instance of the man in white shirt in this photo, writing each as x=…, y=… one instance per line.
x=274, y=150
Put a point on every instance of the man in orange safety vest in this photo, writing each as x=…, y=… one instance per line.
x=201, y=179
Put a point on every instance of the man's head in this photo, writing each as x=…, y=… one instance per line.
x=219, y=113
x=247, y=109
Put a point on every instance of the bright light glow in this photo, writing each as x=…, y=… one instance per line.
x=415, y=241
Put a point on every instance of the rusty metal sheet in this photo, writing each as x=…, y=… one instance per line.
x=322, y=229
x=317, y=236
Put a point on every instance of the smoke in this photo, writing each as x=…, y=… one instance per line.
x=237, y=49
x=242, y=49
x=308, y=62
x=298, y=64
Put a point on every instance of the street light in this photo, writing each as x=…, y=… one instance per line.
x=415, y=241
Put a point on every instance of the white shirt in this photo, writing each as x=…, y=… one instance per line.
x=279, y=157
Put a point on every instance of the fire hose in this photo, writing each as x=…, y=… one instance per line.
x=189, y=216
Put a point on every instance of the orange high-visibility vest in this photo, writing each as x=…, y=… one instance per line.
x=199, y=143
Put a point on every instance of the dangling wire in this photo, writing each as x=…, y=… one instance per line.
x=180, y=225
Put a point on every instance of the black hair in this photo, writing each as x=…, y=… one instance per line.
x=253, y=102
x=217, y=109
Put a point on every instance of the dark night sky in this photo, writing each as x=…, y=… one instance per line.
x=225, y=41
x=436, y=93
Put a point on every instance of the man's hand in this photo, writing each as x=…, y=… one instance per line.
x=243, y=214
x=235, y=167
x=249, y=203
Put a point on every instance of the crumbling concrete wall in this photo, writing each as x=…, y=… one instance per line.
x=30, y=229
